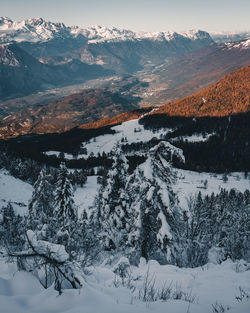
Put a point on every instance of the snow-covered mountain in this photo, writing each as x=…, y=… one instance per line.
x=39, y=30
x=227, y=37
x=240, y=45
x=98, y=34
x=117, y=50
x=32, y=30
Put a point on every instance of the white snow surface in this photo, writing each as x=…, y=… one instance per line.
x=85, y=196
x=131, y=130
x=194, y=138
x=20, y=291
x=190, y=183
x=16, y=191
x=67, y=156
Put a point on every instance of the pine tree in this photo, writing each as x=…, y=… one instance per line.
x=41, y=204
x=195, y=236
x=66, y=213
x=11, y=228
x=152, y=202
x=65, y=209
x=112, y=215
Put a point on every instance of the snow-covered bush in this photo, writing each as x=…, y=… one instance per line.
x=216, y=255
x=49, y=262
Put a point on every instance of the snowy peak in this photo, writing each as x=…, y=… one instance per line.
x=32, y=30
x=5, y=23
x=227, y=37
x=38, y=29
x=241, y=45
x=100, y=33
x=195, y=34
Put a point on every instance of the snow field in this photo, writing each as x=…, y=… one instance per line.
x=20, y=292
x=190, y=183
x=84, y=197
x=16, y=191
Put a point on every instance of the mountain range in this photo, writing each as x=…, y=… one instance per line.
x=140, y=70
x=37, y=55
x=223, y=37
x=53, y=54
x=35, y=30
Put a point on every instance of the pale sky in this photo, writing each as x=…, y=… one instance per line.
x=148, y=15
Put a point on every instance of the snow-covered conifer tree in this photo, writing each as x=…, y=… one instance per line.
x=112, y=215
x=151, y=196
x=65, y=209
x=11, y=227
x=41, y=204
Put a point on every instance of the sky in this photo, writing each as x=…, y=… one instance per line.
x=143, y=15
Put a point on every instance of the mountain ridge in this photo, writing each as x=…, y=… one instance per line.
x=22, y=74
x=230, y=95
x=37, y=29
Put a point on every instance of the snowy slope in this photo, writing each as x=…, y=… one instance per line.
x=20, y=292
x=190, y=183
x=16, y=191
x=131, y=130
x=19, y=193
x=84, y=197
x=194, y=138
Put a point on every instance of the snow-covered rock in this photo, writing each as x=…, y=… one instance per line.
x=216, y=255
